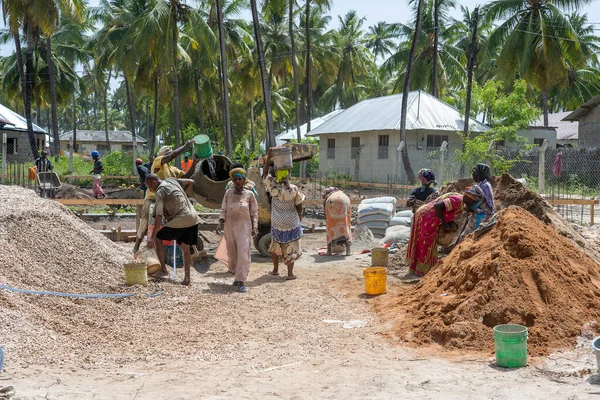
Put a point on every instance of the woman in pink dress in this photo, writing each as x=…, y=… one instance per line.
x=422, y=251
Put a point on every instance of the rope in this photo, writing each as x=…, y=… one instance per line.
x=76, y=295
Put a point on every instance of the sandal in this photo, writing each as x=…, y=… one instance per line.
x=236, y=283
x=273, y=274
x=291, y=278
x=243, y=289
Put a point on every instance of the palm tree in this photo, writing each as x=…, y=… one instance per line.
x=270, y=139
x=405, y=160
x=294, y=67
x=381, y=39
x=225, y=84
x=535, y=41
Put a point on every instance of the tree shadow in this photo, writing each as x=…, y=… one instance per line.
x=326, y=259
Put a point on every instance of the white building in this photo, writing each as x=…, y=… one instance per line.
x=88, y=141
x=373, y=126
x=292, y=134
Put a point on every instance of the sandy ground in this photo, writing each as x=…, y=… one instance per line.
x=281, y=340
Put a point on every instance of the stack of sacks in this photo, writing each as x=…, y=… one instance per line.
x=375, y=214
x=403, y=218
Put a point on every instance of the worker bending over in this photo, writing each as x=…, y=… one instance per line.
x=174, y=206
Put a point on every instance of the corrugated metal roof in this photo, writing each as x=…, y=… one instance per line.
x=16, y=122
x=585, y=107
x=383, y=113
x=565, y=130
x=291, y=134
x=100, y=137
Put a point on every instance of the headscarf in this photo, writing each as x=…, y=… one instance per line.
x=282, y=174
x=426, y=176
x=164, y=150
x=328, y=191
x=239, y=172
x=481, y=172
x=475, y=193
x=139, y=161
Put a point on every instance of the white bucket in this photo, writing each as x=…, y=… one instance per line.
x=596, y=347
x=282, y=157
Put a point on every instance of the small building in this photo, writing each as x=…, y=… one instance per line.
x=17, y=140
x=533, y=135
x=567, y=133
x=292, y=134
x=372, y=127
x=88, y=141
x=588, y=116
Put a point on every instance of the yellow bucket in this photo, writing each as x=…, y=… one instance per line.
x=379, y=257
x=375, y=280
x=136, y=274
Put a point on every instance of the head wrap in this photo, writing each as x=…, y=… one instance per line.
x=481, y=172
x=164, y=150
x=186, y=154
x=138, y=161
x=282, y=174
x=475, y=193
x=426, y=176
x=237, y=171
x=328, y=191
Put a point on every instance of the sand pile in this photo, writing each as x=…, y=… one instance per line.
x=520, y=272
x=46, y=247
x=66, y=191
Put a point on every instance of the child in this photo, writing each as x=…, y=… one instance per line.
x=98, y=168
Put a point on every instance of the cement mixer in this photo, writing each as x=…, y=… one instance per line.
x=211, y=178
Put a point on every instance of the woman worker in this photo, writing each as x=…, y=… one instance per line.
x=425, y=193
x=286, y=217
x=338, y=213
x=480, y=213
x=481, y=175
x=422, y=251
x=239, y=220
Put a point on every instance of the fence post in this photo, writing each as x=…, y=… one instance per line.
x=443, y=149
x=4, y=144
x=542, y=167
x=398, y=153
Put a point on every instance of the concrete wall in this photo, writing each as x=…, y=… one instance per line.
x=373, y=169
x=535, y=133
x=23, y=150
x=87, y=147
x=589, y=129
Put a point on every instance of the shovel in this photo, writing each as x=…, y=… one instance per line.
x=200, y=260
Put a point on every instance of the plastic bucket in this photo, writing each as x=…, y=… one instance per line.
x=282, y=157
x=379, y=257
x=202, y=148
x=375, y=280
x=511, y=345
x=136, y=274
x=596, y=347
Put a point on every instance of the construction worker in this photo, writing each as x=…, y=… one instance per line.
x=186, y=164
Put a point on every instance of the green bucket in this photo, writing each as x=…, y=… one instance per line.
x=511, y=345
x=202, y=148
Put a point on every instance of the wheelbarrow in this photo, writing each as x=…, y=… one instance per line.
x=48, y=182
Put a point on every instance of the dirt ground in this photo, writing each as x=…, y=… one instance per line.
x=315, y=337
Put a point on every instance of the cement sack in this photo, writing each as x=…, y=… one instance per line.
x=405, y=213
x=386, y=199
x=405, y=221
x=396, y=234
x=375, y=209
x=382, y=225
x=362, y=219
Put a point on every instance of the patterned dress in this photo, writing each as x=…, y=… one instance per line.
x=286, y=229
x=338, y=213
x=422, y=250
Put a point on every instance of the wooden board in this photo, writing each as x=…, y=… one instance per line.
x=101, y=202
x=572, y=202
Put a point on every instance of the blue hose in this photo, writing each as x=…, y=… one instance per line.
x=75, y=295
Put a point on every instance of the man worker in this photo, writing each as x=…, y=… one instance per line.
x=160, y=166
x=186, y=164
x=43, y=164
x=143, y=172
x=174, y=206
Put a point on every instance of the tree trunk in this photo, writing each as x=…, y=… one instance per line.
x=405, y=160
x=20, y=64
x=308, y=85
x=28, y=97
x=54, y=104
x=106, y=109
x=294, y=69
x=436, y=34
x=252, y=132
x=148, y=119
x=470, y=67
x=155, y=127
x=176, y=89
x=266, y=85
x=74, y=104
x=545, y=106
x=199, y=99
x=130, y=106
x=224, y=84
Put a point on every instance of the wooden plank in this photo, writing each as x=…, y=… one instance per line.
x=571, y=202
x=100, y=202
x=103, y=177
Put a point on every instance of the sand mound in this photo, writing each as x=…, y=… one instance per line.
x=66, y=191
x=46, y=247
x=520, y=272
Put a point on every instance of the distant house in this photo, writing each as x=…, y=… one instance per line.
x=292, y=134
x=373, y=128
x=567, y=133
x=17, y=141
x=588, y=116
x=88, y=141
x=534, y=135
